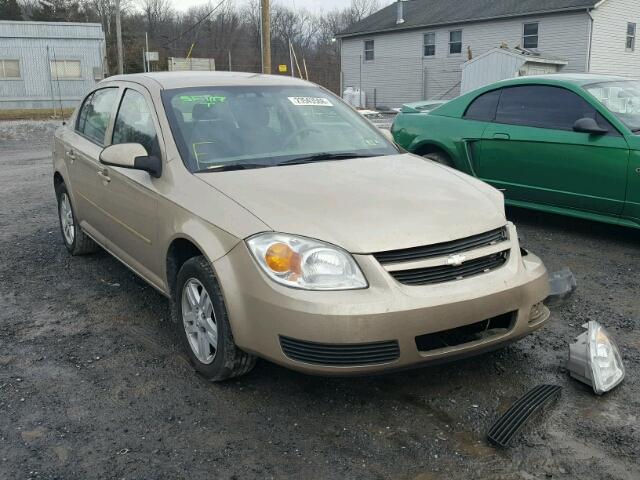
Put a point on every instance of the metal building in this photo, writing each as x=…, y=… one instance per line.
x=502, y=63
x=49, y=64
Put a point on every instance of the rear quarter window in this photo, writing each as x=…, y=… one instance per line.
x=484, y=107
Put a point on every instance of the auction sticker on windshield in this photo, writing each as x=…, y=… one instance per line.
x=310, y=102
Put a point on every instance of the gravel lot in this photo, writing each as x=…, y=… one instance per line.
x=93, y=384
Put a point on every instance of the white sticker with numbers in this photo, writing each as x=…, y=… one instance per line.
x=310, y=102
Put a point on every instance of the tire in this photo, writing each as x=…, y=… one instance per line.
x=201, y=324
x=75, y=240
x=440, y=157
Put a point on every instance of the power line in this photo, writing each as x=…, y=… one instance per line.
x=195, y=24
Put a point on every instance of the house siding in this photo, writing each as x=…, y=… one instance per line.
x=608, y=52
x=400, y=73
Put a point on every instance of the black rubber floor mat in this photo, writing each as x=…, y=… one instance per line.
x=503, y=431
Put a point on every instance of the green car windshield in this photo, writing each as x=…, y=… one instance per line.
x=622, y=98
x=221, y=127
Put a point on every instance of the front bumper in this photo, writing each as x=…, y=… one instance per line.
x=262, y=312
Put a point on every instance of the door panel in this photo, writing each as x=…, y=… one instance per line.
x=632, y=205
x=81, y=158
x=130, y=204
x=566, y=169
x=532, y=152
x=129, y=197
x=82, y=155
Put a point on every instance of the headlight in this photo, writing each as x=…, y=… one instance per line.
x=305, y=263
x=595, y=360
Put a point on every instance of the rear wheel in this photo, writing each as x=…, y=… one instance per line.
x=201, y=318
x=440, y=157
x=75, y=240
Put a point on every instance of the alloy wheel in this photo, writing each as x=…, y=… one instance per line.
x=66, y=219
x=199, y=321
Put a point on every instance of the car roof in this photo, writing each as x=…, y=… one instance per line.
x=578, y=79
x=169, y=80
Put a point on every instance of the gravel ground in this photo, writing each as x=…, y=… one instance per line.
x=93, y=384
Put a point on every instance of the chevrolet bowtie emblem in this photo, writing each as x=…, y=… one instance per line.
x=456, y=260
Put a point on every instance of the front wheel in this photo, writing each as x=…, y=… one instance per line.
x=201, y=318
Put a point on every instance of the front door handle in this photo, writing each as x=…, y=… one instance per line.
x=501, y=136
x=104, y=175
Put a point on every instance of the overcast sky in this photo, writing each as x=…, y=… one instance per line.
x=313, y=5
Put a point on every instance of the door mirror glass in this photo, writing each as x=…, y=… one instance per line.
x=131, y=155
x=588, y=125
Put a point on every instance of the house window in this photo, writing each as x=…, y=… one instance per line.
x=9, y=69
x=65, y=69
x=455, y=42
x=530, y=35
x=631, y=37
x=368, y=50
x=430, y=44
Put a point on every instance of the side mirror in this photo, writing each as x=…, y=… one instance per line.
x=131, y=155
x=588, y=125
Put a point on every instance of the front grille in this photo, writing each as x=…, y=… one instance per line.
x=447, y=273
x=466, y=333
x=340, y=354
x=443, y=249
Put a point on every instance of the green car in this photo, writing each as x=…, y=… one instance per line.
x=567, y=144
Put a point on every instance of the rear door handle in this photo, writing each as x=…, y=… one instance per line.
x=501, y=136
x=70, y=155
x=104, y=175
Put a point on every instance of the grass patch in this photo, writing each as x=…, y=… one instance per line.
x=34, y=114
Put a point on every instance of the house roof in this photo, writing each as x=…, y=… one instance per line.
x=430, y=13
x=531, y=56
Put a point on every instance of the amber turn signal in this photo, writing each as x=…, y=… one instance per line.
x=281, y=258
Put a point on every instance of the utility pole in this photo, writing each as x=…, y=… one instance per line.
x=266, y=36
x=146, y=41
x=119, y=39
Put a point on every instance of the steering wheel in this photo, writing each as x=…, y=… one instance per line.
x=294, y=136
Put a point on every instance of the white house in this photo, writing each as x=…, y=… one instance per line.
x=415, y=49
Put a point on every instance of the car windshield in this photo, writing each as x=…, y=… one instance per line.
x=218, y=128
x=622, y=98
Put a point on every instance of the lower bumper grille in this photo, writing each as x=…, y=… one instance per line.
x=447, y=273
x=467, y=333
x=333, y=354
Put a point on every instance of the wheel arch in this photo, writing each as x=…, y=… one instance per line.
x=179, y=250
x=58, y=180
x=430, y=146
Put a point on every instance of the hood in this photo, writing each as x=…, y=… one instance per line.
x=366, y=205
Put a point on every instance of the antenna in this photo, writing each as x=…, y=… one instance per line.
x=58, y=84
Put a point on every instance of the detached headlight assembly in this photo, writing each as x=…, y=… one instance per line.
x=594, y=359
x=305, y=263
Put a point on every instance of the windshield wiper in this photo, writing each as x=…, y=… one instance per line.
x=232, y=166
x=325, y=156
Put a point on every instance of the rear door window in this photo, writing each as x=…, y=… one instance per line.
x=545, y=106
x=134, y=123
x=95, y=114
x=483, y=108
